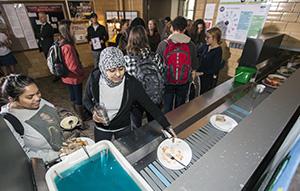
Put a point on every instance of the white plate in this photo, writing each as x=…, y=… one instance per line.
x=272, y=76
x=89, y=143
x=225, y=126
x=69, y=126
x=286, y=71
x=178, y=149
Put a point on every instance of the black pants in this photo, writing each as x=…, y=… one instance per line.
x=136, y=115
x=177, y=92
x=102, y=135
x=208, y=81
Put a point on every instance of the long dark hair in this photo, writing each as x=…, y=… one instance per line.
x=14, y=85
x=136, y=22
x=137, y=40
x=198, y=37
x=155, y=30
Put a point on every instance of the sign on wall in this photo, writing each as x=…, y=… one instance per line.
x=239, y=19
x=209, y=14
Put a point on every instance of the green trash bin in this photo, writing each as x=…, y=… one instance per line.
x=243, y=74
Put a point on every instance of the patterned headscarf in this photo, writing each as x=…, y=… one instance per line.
x=111, y=57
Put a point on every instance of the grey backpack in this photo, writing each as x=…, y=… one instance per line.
x=147, y=72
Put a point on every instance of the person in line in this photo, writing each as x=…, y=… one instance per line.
x=124, y=39
x=46, y=35
x=189, y=26
x=146, y=66
x=97, y=36
x=42, y=137
x=111, y=87
x=153, y=35
x=73, y=80
x=167, y=31
x=122, y=35
x=210, y=60
x=7, y=59
x=180, y=60
x=198, y=33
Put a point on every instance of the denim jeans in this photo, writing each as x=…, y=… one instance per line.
x=174, y=96
x=96, y=56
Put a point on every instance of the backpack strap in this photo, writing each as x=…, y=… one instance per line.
x=17, y=125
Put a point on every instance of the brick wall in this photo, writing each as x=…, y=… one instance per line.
x=284, y=17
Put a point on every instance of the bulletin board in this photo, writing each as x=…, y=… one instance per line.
x=17, y=26
x=22, y=24
x=239, y=19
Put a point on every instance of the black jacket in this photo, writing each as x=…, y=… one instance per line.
x=210, y=61
x=100, y=32
x=133, y=92
x=46, y=38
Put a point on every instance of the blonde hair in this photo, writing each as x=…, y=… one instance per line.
x=216, y=33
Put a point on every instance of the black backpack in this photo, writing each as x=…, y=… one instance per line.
x=147, y=72
x=55, y=61
x=17, y=125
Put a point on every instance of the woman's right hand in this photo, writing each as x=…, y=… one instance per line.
x=97, y=118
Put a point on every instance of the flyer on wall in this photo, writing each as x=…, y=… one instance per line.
x=239, y=19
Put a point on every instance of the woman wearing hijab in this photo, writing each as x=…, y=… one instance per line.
x=111, y=87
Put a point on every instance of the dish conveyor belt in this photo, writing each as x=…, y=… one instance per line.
x=201, y=141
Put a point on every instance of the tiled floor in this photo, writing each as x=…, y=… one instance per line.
x=56, y=92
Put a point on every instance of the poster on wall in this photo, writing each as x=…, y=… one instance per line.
x=26, y=27
x=13, y=20
x=239, y=19
x=209, y=14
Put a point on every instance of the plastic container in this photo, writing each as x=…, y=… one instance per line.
x=243, y=74
x=101, y=156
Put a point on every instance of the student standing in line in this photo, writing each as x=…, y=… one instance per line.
x=75, y=75
x=180, y=61
x=153, y=35
x=146, y=66
x=97, y=36
x=210, y=60
x=198, y=33
x=115, y=91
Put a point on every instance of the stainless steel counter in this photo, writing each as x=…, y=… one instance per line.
x=220, y=160
x=231, y=162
